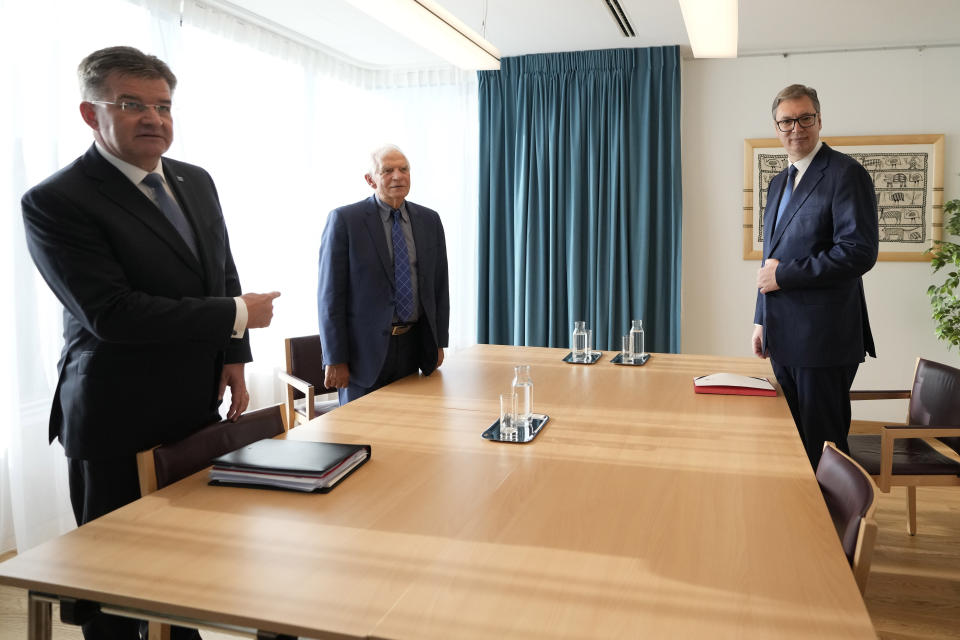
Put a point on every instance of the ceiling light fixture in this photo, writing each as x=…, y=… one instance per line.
x=429, y=25
x=711, y=27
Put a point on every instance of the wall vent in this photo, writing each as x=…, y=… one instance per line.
x=620, y=17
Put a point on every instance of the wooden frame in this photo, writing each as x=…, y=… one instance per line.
x=906, y=230
x=867, y=531
x=290, y=382
x=888, y=434
x=147, y=471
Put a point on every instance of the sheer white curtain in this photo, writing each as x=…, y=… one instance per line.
x=283, y=129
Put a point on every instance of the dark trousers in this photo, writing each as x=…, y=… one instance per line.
x=97, y=487
x=819, y=399
x=403, y=358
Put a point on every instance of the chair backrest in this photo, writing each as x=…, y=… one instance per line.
x=305, y=361
x=935, y=398
x=852, y=500
x=167, y=463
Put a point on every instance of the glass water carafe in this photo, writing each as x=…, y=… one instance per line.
x=523, y=390
x=636, y=339
x=578, y=343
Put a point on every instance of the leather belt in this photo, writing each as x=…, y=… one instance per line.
x=400, y=329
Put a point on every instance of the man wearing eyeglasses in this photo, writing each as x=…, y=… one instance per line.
x=135, y=247
x=820, y=235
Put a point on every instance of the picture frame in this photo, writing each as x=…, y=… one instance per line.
x=907, y=172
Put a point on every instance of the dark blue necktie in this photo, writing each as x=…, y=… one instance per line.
x=401, y=270
x=787, y=192
x=171, y=211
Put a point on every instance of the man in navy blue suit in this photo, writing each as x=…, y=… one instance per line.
x=820, y=235
x=383, y=298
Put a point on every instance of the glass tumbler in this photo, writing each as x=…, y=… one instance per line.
x=508, y=413
x=625, y=354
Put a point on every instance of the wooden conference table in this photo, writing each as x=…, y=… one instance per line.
x=641, y=510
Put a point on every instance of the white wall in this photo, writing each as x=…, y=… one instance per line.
x=861, y=93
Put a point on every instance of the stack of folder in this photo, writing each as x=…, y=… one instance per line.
x=298, y=465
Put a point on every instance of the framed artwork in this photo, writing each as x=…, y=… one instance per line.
x=907, y=174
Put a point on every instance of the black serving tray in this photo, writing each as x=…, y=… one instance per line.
x=618, y=359
x=522, y=435
x=594, y=357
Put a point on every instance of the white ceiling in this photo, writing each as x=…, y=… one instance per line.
x=519, y=27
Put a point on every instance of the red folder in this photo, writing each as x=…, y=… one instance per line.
x=735, y=391
x=733, y=384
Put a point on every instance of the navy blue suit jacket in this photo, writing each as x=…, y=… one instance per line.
x=147, y=325
x=827, y=239
x=355, y=296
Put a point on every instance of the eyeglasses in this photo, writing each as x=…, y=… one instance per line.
x=789, y=124
x=132, y=106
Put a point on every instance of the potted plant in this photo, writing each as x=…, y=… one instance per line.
x=945, y=298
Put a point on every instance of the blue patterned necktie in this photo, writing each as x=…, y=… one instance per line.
x=401, y=270
x=171, y=211
x=787, y=192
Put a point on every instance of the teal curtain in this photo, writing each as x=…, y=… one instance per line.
x=580, y=202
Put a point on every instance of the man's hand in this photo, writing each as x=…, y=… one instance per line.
x=439, y=357
x=336, y=376
x=757, y=341
x=232, y=376
x=259, y=308
x=767, y=276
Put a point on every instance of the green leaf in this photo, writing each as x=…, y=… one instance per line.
x=945, y=298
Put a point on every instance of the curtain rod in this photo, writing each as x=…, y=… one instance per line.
x=905, y=47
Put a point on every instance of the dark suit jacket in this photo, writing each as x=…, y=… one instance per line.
x=827, y=239
x=355, y=296
x=146, y=325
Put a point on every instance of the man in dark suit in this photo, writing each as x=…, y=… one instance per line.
x=383, y=297
x=820, y=236
x=135, y=248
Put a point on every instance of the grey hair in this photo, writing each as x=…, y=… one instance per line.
x=793, y=92
x=377, y=154
x=97, y=67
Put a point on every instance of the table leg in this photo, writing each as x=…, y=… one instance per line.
x=38, y=617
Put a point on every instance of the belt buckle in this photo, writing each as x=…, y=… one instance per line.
x=400, y=329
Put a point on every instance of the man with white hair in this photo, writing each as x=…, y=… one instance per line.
x=383, y=298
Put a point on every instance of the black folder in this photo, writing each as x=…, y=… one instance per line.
x=297, y=465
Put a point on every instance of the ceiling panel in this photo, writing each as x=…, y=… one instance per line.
x=518, y=27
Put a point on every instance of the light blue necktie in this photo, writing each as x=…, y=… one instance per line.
x=787, y=192
x=401, y=270
x=172, y=211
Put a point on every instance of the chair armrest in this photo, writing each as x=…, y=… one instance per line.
x=919, y=431
x=879, y=395
x=301, y=385
x=899, y=432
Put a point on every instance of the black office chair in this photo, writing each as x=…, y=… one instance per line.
x=849, y=493
x=900, y=456
x=303, y=381
x=167, y=463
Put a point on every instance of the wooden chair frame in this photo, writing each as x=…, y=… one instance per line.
x=867, y=533
x=291, y=383
x=147, y=471
x=889, y=434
